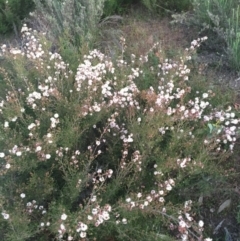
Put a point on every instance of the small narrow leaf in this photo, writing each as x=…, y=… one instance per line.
x=200, y=200
x=218, y=227
x=224, y=205
x=210, y=126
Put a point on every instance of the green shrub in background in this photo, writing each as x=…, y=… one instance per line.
x=56, y=13
x=162, y=6
x=76, y=19
x=220, y=18
x=12, y=12
x=117, y=6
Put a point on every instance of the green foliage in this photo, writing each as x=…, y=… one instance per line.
x=116, y=7
x=168, y=5
x=221, y=19
x=73, y=20
x=12, y=12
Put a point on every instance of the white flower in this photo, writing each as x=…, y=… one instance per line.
x=105, y=215
x=83, y=234
x=22, y=195
x=29, y=204
x=129, y=139
x=62, y=227
x=5, y=215
x=200, y=223
x=32, y=125
x=24, y=28
x=161, y=192
x=15, y=51
x=6, y=124
x=169, y=187
x=139, y=195
x=64, y=216
x=48, y=156
x=97, y=143
x=124, y=221
x=14, y=119
x=94, y=211
x=42, y=224
x=235, y=121
x=233, y=128
x=161, y=199
x=171, y=181
x=18, y=153
x=8, y=166
x=94, y=198
x=101, y=179
x=56, y=115
x=2, y=154
x=84, y=227
x=182, y=224
x=205, y=95
x=90, y=217
x=39, y=148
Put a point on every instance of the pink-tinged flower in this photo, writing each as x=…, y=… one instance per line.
x=62, y=227
x=182, y=224
x=105, y=215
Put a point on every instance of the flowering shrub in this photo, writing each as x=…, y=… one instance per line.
x=98, y=155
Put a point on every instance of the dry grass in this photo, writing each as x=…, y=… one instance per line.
x=142, y=34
